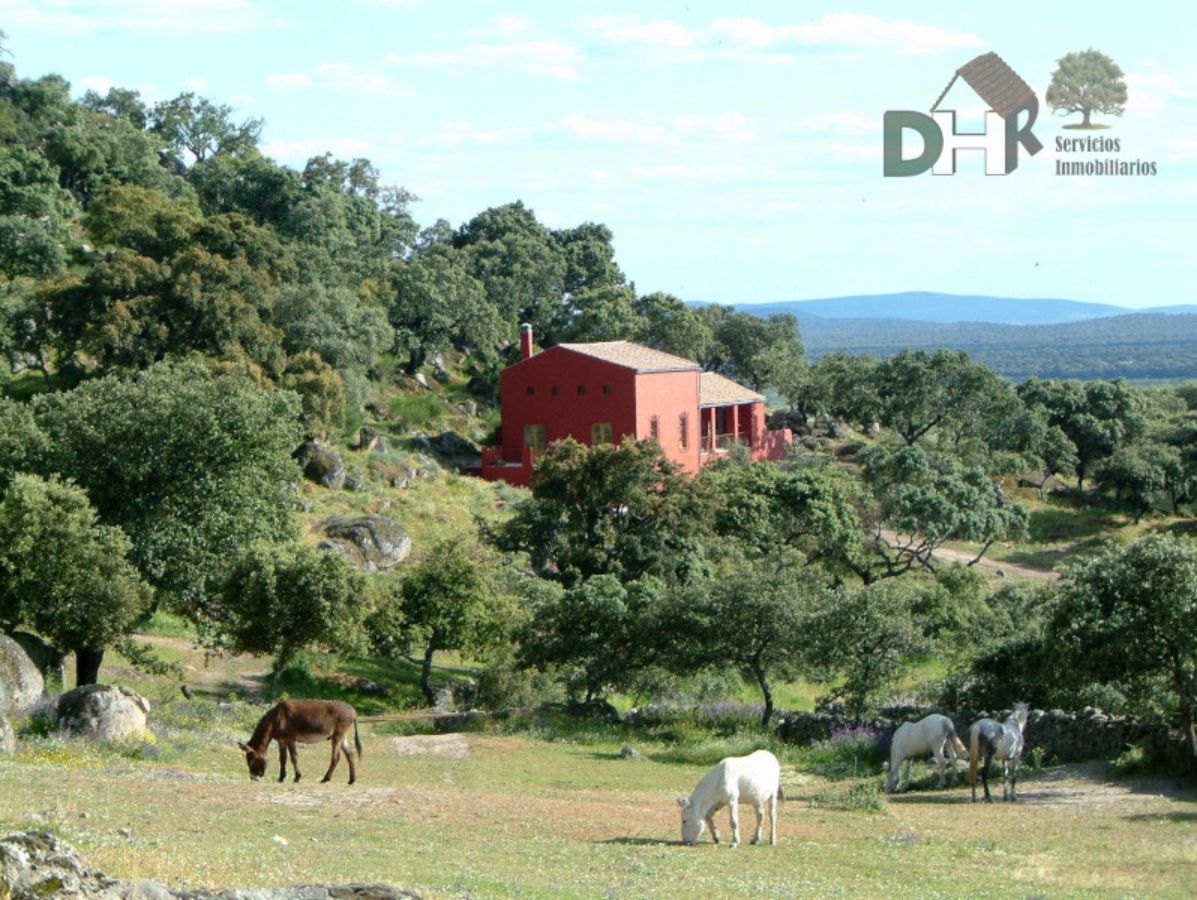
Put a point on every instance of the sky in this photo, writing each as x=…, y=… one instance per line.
x=734, y=149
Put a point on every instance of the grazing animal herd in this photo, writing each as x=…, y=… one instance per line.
x=754, y=779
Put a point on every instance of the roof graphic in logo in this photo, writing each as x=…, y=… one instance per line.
x=995, y=83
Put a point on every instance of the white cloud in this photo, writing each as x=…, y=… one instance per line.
x=1149, y=93
x=588, y=129
x=512, y=24
x=684, y=172
x=305, y=148
x=659, y=33
x=452, y=134
x=1182, y=150
x=753, y=40
x=732, y=126
x=840, y=121
x=97, y=83
x=286, y=80
x=856, y=151
x=156, y=16
x=344, y=77
x=195, y=83
x=551, y=59
x=101, y=84
x=747, y=32
x=853, y=30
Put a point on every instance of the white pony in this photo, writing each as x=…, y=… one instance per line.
x=754, y=779
x=933, y=734
x=989, y=738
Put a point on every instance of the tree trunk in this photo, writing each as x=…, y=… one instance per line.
x=414, y=361
x=87, y=665
x=985, y=549
x=1085, y=121
x=763, y=682
x=284, y=657
x=1189, y=726
x=426, y=674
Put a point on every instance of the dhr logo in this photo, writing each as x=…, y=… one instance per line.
x=1007, y=95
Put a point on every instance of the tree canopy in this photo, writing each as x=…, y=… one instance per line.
x=279, y=599
x=1087, y=81
x=1132, y=611
x=622, y=510
x=65, y=574
x=213, y=482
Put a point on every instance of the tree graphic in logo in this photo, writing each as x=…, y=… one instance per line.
x=1085, y=82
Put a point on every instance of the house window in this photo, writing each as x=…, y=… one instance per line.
x=654, y=428
x=683, y=429
x=531, y=390
x=581, y=389
x=600, y=433
x=606, y=388
x=534, y=437
x=555, y=390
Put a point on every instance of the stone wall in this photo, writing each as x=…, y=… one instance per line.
x=1064, y=737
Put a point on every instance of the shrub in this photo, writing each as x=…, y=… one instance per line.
x=859, y=796
x=850, y=751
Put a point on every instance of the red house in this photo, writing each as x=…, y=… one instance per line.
x=601, y=392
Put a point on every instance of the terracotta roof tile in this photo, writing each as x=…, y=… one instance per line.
x=715, y=390
x=995, y=82
x=633, y=356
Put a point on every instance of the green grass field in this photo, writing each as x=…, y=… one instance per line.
x=491, y=815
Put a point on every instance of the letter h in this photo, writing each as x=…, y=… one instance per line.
x=992, y=141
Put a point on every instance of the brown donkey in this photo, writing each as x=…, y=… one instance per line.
x=304, y=722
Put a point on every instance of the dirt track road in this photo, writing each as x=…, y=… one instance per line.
x=997, y=567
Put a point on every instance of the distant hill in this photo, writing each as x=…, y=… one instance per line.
x=925, y=306
x=1138, y=346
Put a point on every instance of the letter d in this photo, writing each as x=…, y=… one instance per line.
x=894, y=124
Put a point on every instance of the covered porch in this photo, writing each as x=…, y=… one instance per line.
x=731, y=415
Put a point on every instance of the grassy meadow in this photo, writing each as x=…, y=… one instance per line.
x=502, y=814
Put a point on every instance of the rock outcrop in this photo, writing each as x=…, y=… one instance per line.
x=35, y=865
x=321, y=464
x=50, y=661
x=454, y=445
x=105, y=712
x=370, y=441
x=22, y=681
x=372, y=543
x=7, y=741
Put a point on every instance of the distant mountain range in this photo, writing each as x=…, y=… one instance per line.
x=1018, y=338
x=925, y=306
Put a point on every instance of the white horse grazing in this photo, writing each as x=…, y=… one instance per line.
x=933, y=734
x=1001, y=739
x=754, y=779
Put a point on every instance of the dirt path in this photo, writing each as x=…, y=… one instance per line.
x=213, y=674
x=1077, y=784
x=453, y=746
x=997, y=567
